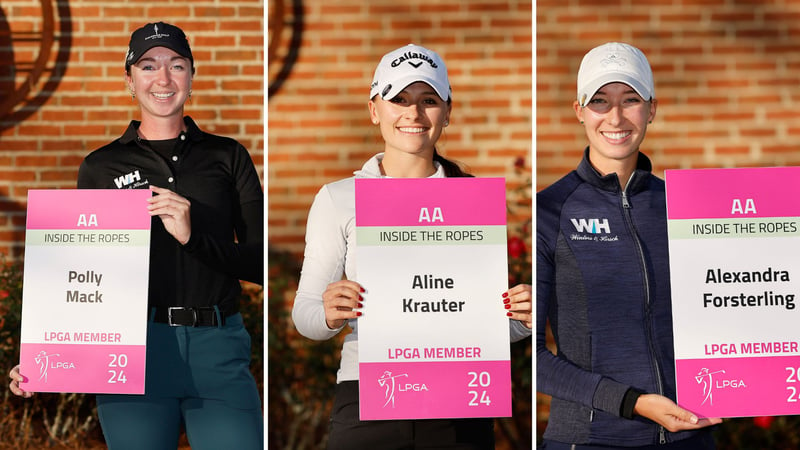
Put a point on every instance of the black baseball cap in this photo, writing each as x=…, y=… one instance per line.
x=157, y=34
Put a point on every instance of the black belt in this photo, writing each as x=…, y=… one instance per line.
x=189, y=316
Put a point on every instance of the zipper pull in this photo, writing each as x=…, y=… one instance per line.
x=625, y=203
x=661, y=438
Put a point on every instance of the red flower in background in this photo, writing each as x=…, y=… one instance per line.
x=763, y=421
x=516, y=247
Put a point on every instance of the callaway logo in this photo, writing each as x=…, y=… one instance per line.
x=593, y=226
x=407, y=56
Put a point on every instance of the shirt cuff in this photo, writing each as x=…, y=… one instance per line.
x=629, y=402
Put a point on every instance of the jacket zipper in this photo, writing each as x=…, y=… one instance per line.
x=662, y=439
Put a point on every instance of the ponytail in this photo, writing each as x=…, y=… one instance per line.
x=451, y=169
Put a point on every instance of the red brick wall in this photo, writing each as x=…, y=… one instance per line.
x=319, y=126
x=726, y=77
x=44, y=139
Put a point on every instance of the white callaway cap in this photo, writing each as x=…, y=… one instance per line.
x=614, y=62
x=406, y=65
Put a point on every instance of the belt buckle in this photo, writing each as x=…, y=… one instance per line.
x=177, y=308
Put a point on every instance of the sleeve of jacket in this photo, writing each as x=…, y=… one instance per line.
x=518, y=331
x=242, y=258
x=556, y=375
x=323, y=263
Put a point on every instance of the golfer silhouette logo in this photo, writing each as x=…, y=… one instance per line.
x=387, y=381
x=705, y=378
x=43, y=361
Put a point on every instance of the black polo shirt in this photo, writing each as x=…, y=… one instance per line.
x=216, y=174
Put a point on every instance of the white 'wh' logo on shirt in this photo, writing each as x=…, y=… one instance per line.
x=127, y=179
x=593, y=226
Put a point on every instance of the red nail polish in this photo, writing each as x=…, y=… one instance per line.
x=361, y=288
x=505, y=294
x=508, y=306
x=506, y=300
x=508, y=314
x=360, y=298
x=358, y=313
x=360, y=305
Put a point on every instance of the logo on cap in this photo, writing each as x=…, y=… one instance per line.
x=156, y=35
x=407, y=56
x=614, y=59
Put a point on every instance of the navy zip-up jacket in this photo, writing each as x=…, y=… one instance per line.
x=603, y=282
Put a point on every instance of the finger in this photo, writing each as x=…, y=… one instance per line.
x=16, y=390
x=354, y=286
x=686, y=416
x=709, y=421
x=345, y=304
x=524, y=306
x=158, y=190
x=519, y=289
x=520, y=297
x=526, y=319
x=347, y=290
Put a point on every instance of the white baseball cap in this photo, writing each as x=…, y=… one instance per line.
x=614, y=62
x=399, y=68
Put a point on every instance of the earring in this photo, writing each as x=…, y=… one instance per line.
x=446, y=122
x=581, y=122
x=190, y=94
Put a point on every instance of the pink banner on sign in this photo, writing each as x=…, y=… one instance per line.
x=399, y=201
x=68, y=210
x=720, y=193
x=741, y=387
x=437, y=389
x=83, y=368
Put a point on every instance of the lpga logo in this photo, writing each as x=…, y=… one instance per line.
x=710, y=384
x=387, y=380
x=46, y=362
x=43, y=361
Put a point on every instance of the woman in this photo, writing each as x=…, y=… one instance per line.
x=410, y=103
x=206, y=192
x=603, y=276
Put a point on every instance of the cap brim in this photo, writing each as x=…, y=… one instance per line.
x=591, y=88
x=402, y=83
x=155, y=44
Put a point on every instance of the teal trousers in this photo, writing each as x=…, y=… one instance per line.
x=196, y=378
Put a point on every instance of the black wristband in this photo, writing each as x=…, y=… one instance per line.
x=629, y=402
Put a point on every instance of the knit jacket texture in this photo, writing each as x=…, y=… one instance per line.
x=217, y=175
x=602, y=269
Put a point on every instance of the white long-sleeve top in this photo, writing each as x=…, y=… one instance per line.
x=330, y=253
